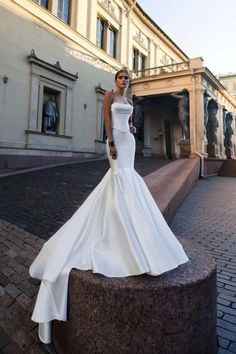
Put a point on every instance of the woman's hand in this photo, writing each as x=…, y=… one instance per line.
x=113, y=152
x=133, y=129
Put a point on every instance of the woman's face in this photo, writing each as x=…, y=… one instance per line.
x=122, y=80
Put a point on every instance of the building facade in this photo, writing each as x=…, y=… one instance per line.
x=58, y=59
x=229, y=82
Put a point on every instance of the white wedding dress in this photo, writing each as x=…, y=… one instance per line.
x=118, y=231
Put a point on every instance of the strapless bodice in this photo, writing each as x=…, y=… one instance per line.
x=120, y=116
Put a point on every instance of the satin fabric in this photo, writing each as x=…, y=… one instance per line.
x=118, y=231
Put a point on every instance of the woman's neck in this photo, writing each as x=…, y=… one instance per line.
x=120, y=92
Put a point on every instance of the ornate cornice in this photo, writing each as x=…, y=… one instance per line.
x=56, y=68
x=139, y=38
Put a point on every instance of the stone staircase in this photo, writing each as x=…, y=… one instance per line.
x=228, y=169
x=171, y=184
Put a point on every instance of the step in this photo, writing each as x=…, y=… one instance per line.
x=171, y=184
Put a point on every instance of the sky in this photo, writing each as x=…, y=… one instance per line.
x=203, y=28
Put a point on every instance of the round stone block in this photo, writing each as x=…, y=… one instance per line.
x=174, y=313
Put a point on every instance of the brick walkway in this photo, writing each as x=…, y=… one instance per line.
x=34, y=205
x=208, y=217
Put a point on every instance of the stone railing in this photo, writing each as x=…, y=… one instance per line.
x=158, y=70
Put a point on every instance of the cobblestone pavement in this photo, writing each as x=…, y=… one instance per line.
x=208, y=217
x=32, y=207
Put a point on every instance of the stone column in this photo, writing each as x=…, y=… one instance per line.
x=34, y=94
x=53, y=7
x=220, y=136
x=152, y=49
x=234, y=136
x=79, y=17
x=147, y=140
x=211, y=127
x=206, y=97
x=228, y=135
x=200, y=119
x=192, y=122
x=92, y=20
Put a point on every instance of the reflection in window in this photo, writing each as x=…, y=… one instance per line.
x=112, y=42
x=100, y=33
x=63, y=10
x=135, y=59
x=143, y=61
x=43, y=3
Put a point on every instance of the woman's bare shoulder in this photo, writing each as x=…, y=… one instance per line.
x=108, y=97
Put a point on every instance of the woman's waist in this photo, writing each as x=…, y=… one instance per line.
x=121, y=129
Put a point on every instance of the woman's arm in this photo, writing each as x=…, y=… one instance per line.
x=108, y=123
x=107, y=115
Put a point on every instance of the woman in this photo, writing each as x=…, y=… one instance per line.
x=118, y=231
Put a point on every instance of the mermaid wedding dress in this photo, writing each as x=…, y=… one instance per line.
x=118, y=231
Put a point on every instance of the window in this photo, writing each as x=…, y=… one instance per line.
x=112, y=42
x=100, y=33
x=43, y=3
x=63, y=10
x=50, y=104
x=135, y=59
x=142, y=61
x=106, y=36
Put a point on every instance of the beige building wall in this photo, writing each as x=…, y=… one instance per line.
x=229, y=82
x=196, y=79
x=27, y=26
x=41, y=55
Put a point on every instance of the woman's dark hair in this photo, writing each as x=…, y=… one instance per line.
x=121, y=71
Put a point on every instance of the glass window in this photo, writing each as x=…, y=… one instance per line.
x=112, y=42
x=143, y=61
x=63, y=10
x=100, y=33
x=135, y=59
x=43, y=3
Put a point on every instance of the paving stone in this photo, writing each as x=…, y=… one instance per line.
x=19, y=260
x=227, y=334
x=232, y=347
x=24, y=300
x=224, y=351
x=217, y=234
x=4, y=280
x=4, y=339
x=207, y=216
x=18, y=278
x=223, y=343
x=12, y=348
x=7, y=271
x=227, y=325
x=230, y=318
x=223, y=302
x=12, y=290
x=28, y=288
x=5, y=300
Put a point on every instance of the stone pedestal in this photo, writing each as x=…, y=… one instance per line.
x=228, y=154
x=171, y=313
x=184, y=149
x=211, y=151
